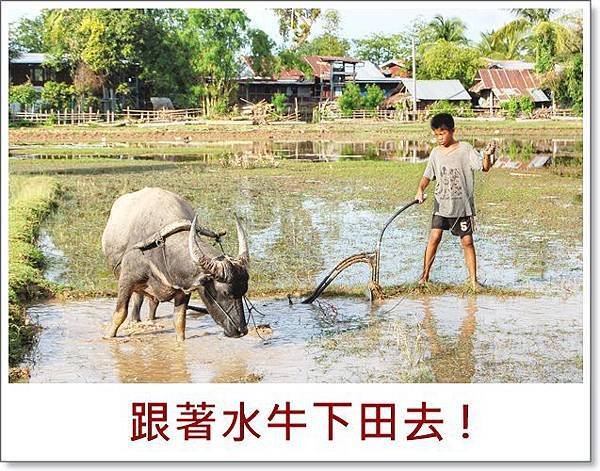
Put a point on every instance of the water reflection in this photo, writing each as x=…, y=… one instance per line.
x=563, y=151
x=451, y=359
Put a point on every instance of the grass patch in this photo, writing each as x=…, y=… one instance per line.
x=31, y=200
x=279, y=205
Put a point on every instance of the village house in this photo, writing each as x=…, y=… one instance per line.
x=494, y=86
x=428, y=92
x=29, y=67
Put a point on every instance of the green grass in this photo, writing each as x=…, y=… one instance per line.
x=541, y=203
x=31, y=200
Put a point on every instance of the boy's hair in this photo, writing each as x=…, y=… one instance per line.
x=442, y=121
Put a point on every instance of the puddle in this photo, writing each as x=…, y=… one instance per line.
x=438, y=339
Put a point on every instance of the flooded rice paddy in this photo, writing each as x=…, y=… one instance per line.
x=437, y=339
x=562, y=150
x=302, y=220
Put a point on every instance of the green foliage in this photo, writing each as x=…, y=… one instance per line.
x=279, y=101
x=373, y=98
x=289, y=59
x=24, y=94
x=58, y=95
x=379, y=48
x=526, y=106
x=29, y=206
x=351, y=99
x=450, y=30
x=326, y=44
x=295, y=24
x=463, y=110
x=574, y=83
x=444, y=60
x=264, y=63
x=26, y=35
x=511, y=107
x=219, y=37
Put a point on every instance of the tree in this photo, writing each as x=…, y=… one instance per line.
x=450, y=30
x=379, y=48
x=295, y=24
x=351, y=99
x=507, y=46
x=26, y=35
x=24, y=94
x=330, y=43
x=444, y=60
x=264, y=63
x=220, y=37
x=373, y=98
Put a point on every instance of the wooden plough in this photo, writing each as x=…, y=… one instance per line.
x=370, y=258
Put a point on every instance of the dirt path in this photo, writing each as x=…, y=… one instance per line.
x=211, y=132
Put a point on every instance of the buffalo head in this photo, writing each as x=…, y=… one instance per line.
x=224, y=282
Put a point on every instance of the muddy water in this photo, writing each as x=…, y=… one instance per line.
x=441, y=339
x=413, y=150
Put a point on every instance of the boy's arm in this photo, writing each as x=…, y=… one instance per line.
x=422, y=185
x=487, y=156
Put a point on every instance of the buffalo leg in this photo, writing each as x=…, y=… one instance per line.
x=120, y=314
x=137, y=300
x=180, y=302
x=152, y=305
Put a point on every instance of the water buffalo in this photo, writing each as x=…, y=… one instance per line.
x=151, y=241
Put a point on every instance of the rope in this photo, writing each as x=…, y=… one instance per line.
x=250, y=308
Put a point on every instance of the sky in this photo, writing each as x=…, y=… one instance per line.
x=357, y=20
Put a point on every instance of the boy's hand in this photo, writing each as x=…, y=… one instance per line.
x=420, y=196
x=490, y=148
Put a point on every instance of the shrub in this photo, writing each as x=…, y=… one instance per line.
x=58, y=95
x=278, y=100
x=350, y=99
x=511, y=107
x=374, y=97
x=463, y=110
x=526, y=106
x=24, y=95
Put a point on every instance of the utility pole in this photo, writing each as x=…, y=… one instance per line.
x=414, y=74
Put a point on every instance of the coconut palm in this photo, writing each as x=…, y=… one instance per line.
x=451, y=29
x=507, y=46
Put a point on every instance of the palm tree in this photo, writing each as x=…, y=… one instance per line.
x=534, y=15
x=507, y=46
x=451, y=29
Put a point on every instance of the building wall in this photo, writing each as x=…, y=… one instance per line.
x=38, y=75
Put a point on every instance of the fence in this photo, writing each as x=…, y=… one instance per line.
x=74, y=116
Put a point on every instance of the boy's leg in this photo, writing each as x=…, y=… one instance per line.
x=435, y=236
x=466, y=242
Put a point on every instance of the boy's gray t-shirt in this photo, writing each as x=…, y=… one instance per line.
x=453, y=171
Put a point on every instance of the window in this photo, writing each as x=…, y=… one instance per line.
x=38, y=74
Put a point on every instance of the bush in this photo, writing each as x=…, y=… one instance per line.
x=518, y=106
x=526, y=106
x=350, y=99
x=24, y=95
x=463, y=110
x=58, y=95
x=374, y=97
x=511, y=107
x=278, y=100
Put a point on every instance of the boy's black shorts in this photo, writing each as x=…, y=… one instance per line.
x=458, y=226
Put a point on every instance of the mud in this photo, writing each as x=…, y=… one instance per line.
x=441, y=339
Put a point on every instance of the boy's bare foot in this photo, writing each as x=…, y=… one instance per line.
x=476, y=286
x=422, y=282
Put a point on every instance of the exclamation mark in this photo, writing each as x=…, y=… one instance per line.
x=465, y=410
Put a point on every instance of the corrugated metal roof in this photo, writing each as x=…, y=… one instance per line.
x=29, y=58
x=437, y=89
x=320, y=65
x=506, y=83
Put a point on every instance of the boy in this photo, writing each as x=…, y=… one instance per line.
x=452, y=164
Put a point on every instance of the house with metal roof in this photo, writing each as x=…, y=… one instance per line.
x=492, y=87
x=428, y=92
x=29, y=67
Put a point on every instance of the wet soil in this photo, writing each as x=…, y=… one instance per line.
x=439, y=339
